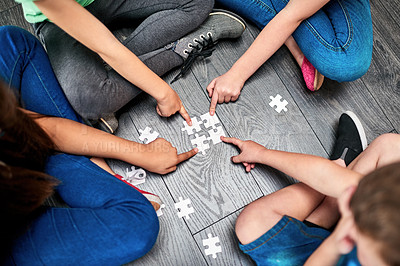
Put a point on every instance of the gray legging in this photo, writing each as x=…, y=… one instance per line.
x=92, y=88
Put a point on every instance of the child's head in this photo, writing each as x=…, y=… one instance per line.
x=376, y=209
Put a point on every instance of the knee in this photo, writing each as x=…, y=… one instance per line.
x=254, y=221
x=200, y=9
x=348, y=67
x=388, y=142
x=18, y=37
x=140, y=232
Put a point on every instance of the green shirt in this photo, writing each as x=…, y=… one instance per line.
x=33, y=14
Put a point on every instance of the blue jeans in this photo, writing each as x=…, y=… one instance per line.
x=109, y=223
x=337, y=39
x=290, y=242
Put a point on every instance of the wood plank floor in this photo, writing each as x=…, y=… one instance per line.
x=219, y=189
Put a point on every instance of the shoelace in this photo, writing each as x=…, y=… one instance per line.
x=204, y=48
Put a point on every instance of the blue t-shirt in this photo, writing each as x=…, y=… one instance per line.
x=350, y=259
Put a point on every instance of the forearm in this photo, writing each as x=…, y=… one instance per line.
x=274, y=35
x=325, y=254
x=319, y=173
x=87, y=29
x=270, y=39
x=76, y=138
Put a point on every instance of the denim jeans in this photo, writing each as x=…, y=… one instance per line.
x=337, y=39
x=93, y=88
x=108, y=222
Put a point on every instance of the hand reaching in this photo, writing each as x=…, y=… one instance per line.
x=172, y=104
x=249, y=152
x=225, y=88
x=161, y=157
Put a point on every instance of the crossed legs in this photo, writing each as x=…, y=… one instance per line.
x=304, y=203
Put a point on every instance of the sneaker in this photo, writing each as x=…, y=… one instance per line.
x=351, y=139
x=220, y=24
x=155, y=200
x=108, y=123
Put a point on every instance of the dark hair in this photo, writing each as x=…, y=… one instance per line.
x=24, y=148
x=376, y=209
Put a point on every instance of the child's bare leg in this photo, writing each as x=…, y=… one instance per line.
x=100, y=162
x=297, y=201
x=295, y=50
x=384, y=150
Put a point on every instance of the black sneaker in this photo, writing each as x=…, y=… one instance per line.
x=351, y=139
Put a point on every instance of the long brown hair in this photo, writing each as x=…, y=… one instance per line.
x=24, y=148
x=376, y=209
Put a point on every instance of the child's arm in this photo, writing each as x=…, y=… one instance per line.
x=87, y=29
x=321, y=174
x=341, y=240
x=75, y=138
x=228, y=86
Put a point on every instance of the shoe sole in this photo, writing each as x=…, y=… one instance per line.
x=229, y=14
x=359, y=127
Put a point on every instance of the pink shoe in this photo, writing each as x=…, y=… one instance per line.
x=154, y=199
x=311, y=76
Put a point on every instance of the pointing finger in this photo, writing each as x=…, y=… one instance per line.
x=185, y=115
x=214, y=101
x=186, y=155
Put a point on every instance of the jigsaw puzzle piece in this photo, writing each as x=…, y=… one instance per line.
x=209, y=120
x=148, y=135
x=183, y=208
x=280, y=105
x=199, y=142
x=211, y=242
x=159, y=211
x=215, y=134
x=195, y=127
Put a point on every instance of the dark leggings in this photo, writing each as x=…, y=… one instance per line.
x=94, y=89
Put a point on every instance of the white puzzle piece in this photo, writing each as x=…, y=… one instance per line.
x=194, y=128
x=159, y=212
x=215, y=134
x=198, y=141
x=183, y=208
x=148, y=135
x=211, y=242
x=280, y=105
x=209, y=121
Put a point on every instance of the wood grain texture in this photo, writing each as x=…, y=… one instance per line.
x=175, y=244
x=215, y=186
x=6, y=4
x=251, y=117
x=14, y=16
x=225, y=230
x=323, y=108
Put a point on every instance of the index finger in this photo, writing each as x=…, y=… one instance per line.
x=186, y=155
x=214, y=101
x=185, y=115
x=233, y=141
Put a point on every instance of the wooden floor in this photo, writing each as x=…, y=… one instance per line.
x=219, y=189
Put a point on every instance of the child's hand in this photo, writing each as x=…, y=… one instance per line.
x=345, y=230
x=225, y=88
x=161, y=157
x=172, y=104
x=250, y=152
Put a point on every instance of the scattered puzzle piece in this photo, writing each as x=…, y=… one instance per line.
x=159, y=211
x=280, y=105
x=195, y=127
x=183, y=208
x=215, y=134
x=148, y=135
x=211, y=242
x=209, y=121
x=199, y=142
